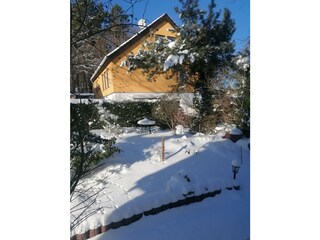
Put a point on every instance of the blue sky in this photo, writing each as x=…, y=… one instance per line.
x=152, y=9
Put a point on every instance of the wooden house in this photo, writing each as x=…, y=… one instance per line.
x=113, y=81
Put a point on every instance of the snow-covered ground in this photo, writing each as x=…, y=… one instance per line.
x=226, y=216
x=137, y=180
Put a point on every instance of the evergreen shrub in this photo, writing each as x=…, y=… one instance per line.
x=128, y=113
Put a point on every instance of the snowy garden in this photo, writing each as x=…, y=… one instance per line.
x=177, y=168
x=140, y=187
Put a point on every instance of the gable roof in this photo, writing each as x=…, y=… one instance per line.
x=110, y=56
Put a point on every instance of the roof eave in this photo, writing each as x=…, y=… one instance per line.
x=141, y=33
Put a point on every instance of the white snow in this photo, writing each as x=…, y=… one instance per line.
x=186, y=51
x=171, y=44
x=123, y=64
x=146, y=121
x=170, y=61
x=192, y=57
x=186, y=103
x=236, y=131
x=173, y=60
x=219, y=128
x=205, y=220
x=120, y=46
x=180, y=130
x=137, y=180
x=181, y=58
x=243, y=62
x=236, y=163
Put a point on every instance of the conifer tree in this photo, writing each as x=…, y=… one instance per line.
x=86, y=148
x=242, y=75
x=204, y=47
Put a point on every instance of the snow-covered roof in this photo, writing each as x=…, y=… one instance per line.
x=129, y=42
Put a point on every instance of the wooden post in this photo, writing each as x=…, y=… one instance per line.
x=162, y=155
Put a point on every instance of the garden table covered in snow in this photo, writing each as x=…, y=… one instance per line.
x=146, y=125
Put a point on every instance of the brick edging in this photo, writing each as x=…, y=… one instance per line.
x=126, y=221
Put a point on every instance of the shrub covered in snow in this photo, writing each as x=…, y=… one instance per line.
x=202, y=50
x=168, y=112
x=127, y=113
x=87, y=149
x=242, y=63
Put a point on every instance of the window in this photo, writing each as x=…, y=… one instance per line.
x=105, y=80
x=160, y=37
x=171, y=39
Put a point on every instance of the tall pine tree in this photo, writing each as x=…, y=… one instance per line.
x=242, y=75
x=204, y=47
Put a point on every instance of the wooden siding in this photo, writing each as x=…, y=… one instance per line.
x=122, y=81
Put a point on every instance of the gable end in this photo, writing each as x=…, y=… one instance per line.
x=138, y=36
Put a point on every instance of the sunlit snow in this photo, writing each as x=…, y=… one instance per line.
x=137, y=180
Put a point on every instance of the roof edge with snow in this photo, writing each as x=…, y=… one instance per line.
x=110, y=56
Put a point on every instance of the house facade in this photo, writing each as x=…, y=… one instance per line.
x=113, y=81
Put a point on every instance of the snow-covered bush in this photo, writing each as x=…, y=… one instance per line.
x=242, y=66
x=180, y=184
x=86, y=148
x=180, y=130
x=203, y=48
x=168, y=112
x=128, y=113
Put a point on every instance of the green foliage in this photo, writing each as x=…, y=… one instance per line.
x=209, y=37
x=96, y=29
x=86, y=148
x=87, y=18
x=127, y=113
x=242, y=74
x=244, y=111
x=166, y=112
x=150, y=58
x=204, y=48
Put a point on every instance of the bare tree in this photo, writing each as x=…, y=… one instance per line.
x=169, y=112
x=96, y=29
